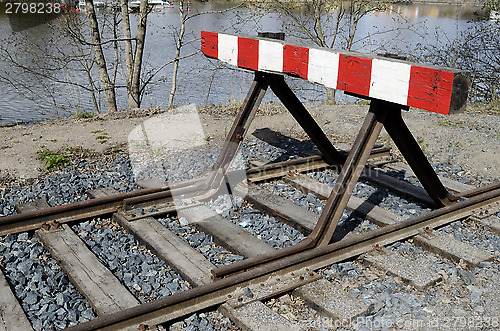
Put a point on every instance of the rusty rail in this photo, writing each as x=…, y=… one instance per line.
x=220, y=290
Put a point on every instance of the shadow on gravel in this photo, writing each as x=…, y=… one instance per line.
x=355, y=218
x=292, y=146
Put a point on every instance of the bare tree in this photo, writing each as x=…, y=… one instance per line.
x=133, y=58
x=183, y=16
x=108, y=87
x=40, y=68
x=326, y=23
x=475, y=50
x=180, y=34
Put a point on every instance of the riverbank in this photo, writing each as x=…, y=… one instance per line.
x=442, y=2
x=468, y=142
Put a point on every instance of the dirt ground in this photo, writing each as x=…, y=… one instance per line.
x=470, y=140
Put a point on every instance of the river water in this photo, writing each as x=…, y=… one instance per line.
x=202, y=81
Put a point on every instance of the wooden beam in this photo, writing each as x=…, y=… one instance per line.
x=183, y=258
x=437, y=89
x=96, y=282
x=225, y=232
x=12, y=315
x=450, y=184
x=361, y=207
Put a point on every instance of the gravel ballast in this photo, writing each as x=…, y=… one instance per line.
x=43, y=289
x=51, y=302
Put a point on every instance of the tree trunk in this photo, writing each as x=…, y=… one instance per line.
x=109, y=89
x=177, y=55
x=129, y=56
x=135, y=84
x=356, y=9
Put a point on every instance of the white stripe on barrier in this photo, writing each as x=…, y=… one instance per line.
x=323, y=67
x=270, y=56
x=390, y=81
x=228, y=49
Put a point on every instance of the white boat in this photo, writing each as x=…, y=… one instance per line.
x=97, y=4
x=136, y=3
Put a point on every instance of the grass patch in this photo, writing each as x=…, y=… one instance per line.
x=447, y=122
x=422, y=143
x=102, y=137
x=84, y=115
x=363, y=102
x=52, y=160
x=62, y=157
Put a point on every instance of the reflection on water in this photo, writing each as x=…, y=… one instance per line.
x=445, y=11
x=200, y=80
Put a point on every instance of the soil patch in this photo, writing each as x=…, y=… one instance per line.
x=470, y=140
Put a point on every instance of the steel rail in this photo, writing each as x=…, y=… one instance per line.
x=107, y=205
x=223, y=271
x=220, y=290
x=76, y=211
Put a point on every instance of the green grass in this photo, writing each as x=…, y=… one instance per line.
x=363, y=102
x=62, y=157
x=422, y=143
x=102, y=137
x=84, y=115
x=52, y=160
x=446, y=122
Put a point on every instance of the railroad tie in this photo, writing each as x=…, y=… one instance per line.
x=332, y=300
x=441, y=244
x=415, y=273
x=359, y=206
x=94, y=281
x=12, y=316
x=450, y=184
x=447, y=246
x=196, y=268
x=254, y=316
x=225, y=233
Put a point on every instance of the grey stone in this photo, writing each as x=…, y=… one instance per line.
x=475, y=293
x=31, y=298
x=404, y=309
x=23, y=236
x=485, y=264
x=479, y=309
x=459, y=311
x=466, y=276
x=88, y=314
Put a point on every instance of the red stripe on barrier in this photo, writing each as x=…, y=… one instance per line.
x=248, y=53
x=210, y=44
x=430, y=89
x=296, y=60
x=354, y=74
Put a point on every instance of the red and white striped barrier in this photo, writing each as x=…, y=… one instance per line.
x=437, y=89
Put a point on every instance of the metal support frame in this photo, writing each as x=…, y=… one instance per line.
x=239, y=129
x=381, y=114
x=413, y=154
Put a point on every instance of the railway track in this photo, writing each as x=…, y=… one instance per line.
x=262, y=254
x=196, y=246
